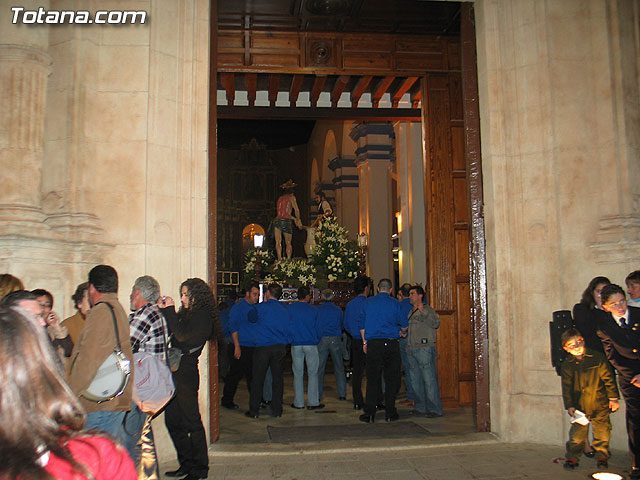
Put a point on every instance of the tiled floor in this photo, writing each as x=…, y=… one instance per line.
x=453, y=451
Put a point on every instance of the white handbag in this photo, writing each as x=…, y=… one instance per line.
x=113, y=375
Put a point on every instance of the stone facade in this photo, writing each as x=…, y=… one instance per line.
x=103, y=149
x=103, y=154
x=559, y=127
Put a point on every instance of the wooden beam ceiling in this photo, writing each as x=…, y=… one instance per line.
x=355, y=86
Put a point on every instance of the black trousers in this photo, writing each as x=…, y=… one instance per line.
x=238, y=368
x=182, y=418
x=383, y=357
x=357, y=365
x=263, y=358
x=631, y=396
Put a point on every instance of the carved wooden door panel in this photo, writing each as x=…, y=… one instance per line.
x=447, y=229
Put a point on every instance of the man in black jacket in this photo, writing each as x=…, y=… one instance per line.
x=619, y=329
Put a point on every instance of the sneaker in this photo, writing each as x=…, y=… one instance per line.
x=570, y=464
x=603, y=463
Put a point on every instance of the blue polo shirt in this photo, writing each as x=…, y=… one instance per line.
x=353, y=316
x=224, y=319
x=406, y=307
x=305, y=326
x=239, y=322
x=272, y=323
x=330, y=317
x=383, y=317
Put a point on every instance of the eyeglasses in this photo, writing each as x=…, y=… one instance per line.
x=573, y=346
x=620, y=303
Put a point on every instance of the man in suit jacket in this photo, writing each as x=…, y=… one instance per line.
x=619, y=329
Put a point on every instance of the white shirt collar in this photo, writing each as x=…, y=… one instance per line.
x=619, y=318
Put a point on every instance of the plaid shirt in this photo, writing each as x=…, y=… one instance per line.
x=148, y=330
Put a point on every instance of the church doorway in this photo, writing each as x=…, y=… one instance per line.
x=453, y=236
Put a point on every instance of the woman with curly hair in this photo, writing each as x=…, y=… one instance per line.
x=41, y=418
x=191, y=327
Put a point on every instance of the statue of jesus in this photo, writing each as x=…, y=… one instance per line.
x=283, y=223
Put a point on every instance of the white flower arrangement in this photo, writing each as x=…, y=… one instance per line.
x=295, y=271
x=334, y=252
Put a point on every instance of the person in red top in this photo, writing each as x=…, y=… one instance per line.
x=40, y=417
x=282, y=225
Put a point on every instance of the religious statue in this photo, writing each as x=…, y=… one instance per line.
x=283, y=223
x=324, y=207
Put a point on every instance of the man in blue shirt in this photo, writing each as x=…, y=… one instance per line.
x=406, y=307
x=306, y=331
x=383, y=322
x=243, y=342
x=330, y=317
x=353, y=326
x=272, y=334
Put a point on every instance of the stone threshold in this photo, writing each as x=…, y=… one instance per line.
x=437, y=440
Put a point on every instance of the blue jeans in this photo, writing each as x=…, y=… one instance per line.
x=108, y=421
x=299, y=355
x=333, y=345
x=422, y=363
x=131, y=430
x=407, y=371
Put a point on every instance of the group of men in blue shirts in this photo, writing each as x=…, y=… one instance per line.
x=261, y=332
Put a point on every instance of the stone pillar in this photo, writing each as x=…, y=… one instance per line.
x=558, y=97
x=23, y=82
x=345, y=186
x=374, y=157
x=410, y=170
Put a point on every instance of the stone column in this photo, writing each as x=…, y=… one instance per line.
x=374, y=157
x=345, y=185
x=558, y=96
x=410, y=169
x=23, y=82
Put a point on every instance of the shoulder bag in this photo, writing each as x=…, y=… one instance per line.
x=113, y=375
x=153, y=385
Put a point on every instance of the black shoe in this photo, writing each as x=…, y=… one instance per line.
x=196, y=476
x=357, y=406
x=590, y=454
x=367, y=418
x=230, y=406
x=315, y=407
x=435, y=415
x=392, y=418
x=177, y=473
x=416, y=413
x=603, y=463
x=265, y=404
x=250, y=415
x=380, y=406
x=342, y=398
x=294, y=406
x=570, y=464
x=277, y=416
